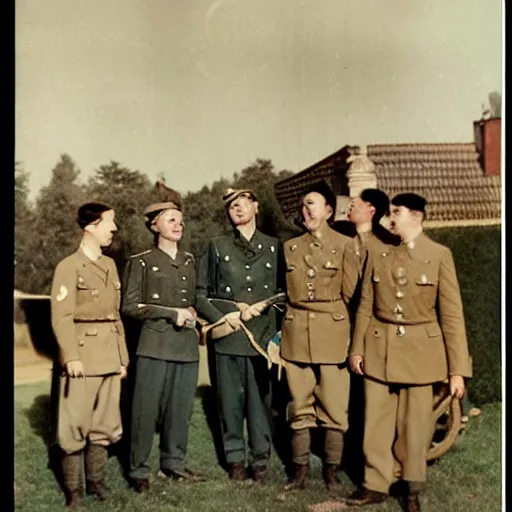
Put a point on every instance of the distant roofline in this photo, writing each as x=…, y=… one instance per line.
x=320, y=162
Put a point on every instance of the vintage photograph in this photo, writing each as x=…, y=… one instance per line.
x=258, y=255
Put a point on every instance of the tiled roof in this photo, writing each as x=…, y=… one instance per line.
x=449, y=176
x=330, y=169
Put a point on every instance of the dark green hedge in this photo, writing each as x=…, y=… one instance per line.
x=477, y=254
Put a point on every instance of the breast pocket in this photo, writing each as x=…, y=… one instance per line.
x=87, y=289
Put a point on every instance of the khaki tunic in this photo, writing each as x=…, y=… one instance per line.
x=85, y=300
x=321, y=275
x=410, y=329
x=410, y=321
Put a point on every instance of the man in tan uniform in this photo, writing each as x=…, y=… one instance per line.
x=409, y=333
x=321, y=274
x=368, y=234
x=85, y=302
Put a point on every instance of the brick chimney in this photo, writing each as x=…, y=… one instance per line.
x=488, y=144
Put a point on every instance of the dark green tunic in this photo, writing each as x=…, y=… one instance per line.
x=234, y=269
x=167, y=357
x=238, y=270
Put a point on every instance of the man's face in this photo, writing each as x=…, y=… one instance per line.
x=242, y=210
x=402, y=220
x=169, y=225
x=103, y=230
x=360, y=212
x=315, y=211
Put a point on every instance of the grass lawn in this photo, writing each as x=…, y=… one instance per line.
x=467, y=478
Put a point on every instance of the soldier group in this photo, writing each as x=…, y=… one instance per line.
x=370, y=319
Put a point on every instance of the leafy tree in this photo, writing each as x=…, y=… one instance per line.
x=53, y=232
x=128, y=192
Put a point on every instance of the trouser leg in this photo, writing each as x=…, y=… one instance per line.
x=176, y=415
x=150, y=379
x=231, y=401
x=414, y=433
x=258, y=410
x=381, y=405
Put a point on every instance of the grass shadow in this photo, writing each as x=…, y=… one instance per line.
x=42, y=418
x=208, y=397
x=352, y=461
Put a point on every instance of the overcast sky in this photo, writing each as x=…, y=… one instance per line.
x=198, y=89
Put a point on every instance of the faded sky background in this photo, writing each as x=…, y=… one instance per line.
x=198, y=89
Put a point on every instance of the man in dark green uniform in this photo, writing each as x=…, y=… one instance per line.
x=159, y=288
x=234, y=272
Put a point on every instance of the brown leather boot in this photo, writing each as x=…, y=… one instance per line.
x=237, y=472
x=299, y=479
x=72, y=474
x=412, y=503
x=329, y=475
x=96, y=457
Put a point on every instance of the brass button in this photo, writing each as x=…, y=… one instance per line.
x=310, y=273
x=399, y=295
x=311, y=315
x=81, y=343
x=400, y=331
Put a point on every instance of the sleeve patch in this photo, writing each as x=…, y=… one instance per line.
x=63, y=293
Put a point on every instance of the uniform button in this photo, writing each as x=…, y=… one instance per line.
x=111, y=317
x=259, y=246
x=183, y=291
x=311, y=295
x=311, y=315
x=400, y=331
x=81, y=342
x=399, y=317
x=311, y=273
x=398, y=309
x=184, y=278
x=226, y=258
x=247, y=267
x=311, y=286
x=266, y=287
x=113, y=328
x=249, y=289
x=155, y=296
x=268, y=265
x=183, y=300
x=248, y=278
x=95, y=293
x=399, y=295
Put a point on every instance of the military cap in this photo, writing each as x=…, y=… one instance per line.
x=232, y=193
x=378, y=199
x=153, y=211
x=322, y=188
x=411, y=201
x=91, y=212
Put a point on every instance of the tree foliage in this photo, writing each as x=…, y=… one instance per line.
x=52, y=232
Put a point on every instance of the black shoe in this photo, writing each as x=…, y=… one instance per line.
x=141, y=485
x=365, y=497
x=181, y=475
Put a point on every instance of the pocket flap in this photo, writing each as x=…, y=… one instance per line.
x=433, y=330
x=338, y=316
x=91, y=332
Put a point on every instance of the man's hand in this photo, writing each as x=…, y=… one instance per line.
x=193, y=312
x=124, y=372
x=249, y=313
x=274, y=356
x=457, y=386
x=184, y=315
x=233, y=319
x=356, y=363
x=75, y=368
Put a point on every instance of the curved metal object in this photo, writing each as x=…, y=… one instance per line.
x=446, y=422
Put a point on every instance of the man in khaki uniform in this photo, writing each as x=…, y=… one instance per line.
x=85, y=302
x=368, y=234
x=409, y=333
x=321, y=274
